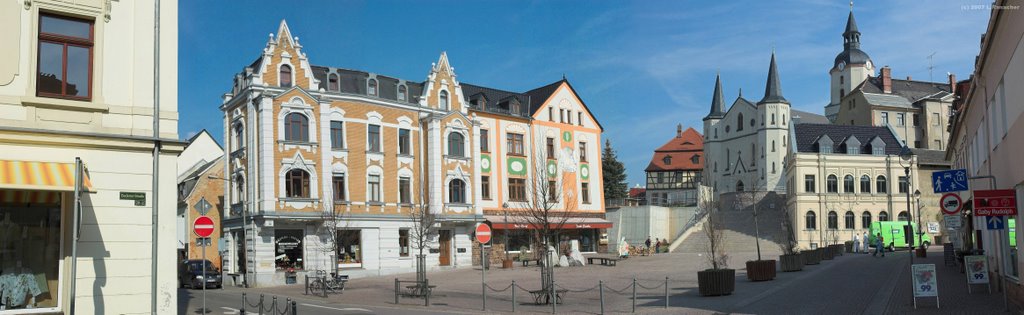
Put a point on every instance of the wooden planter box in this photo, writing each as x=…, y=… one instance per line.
x=826, y=253
x=715, y=282
x=849, y=246
x=507, y=263
x=811, y=257
x=761, y=270
x=838, y=249
x=791, y=262
x=921, y=252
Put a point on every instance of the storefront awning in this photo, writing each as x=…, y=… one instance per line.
x=45, y=176
x=498, y=222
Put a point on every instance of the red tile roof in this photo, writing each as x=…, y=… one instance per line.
x=637, y=192
x=680, y=151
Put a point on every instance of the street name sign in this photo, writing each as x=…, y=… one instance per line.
x=997, y=202
x=952, y=222
x=138, y=197
x=483, y=233
x=203, y=226
x=949, y=181
x=951, y=203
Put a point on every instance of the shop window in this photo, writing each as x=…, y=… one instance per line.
x=288, y=249
x=349, y=248
x=403, y=243
x=30, y=241
x=65, y=57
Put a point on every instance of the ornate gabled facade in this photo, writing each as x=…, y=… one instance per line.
x=745, y=144
x=307, y=143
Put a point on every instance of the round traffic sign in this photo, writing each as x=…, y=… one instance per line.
x=951, y=203
x=203, y=226
x=483, y=233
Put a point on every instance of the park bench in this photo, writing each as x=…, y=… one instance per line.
x=526, y=262
x=605, y=261
x=418, y=290
x=541, y=296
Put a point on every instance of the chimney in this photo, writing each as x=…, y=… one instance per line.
x=886, y=80
x=952, y=83
x=679, y=131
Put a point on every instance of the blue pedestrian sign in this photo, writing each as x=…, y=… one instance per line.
x=995, y=223
x=949, y=181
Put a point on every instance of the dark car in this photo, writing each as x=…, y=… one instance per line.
x=190, y=274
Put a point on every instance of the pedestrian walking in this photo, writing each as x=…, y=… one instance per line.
x=856, y=244
x=879, y=241
x=866, y=242
x=647, y=246
x=657, y=245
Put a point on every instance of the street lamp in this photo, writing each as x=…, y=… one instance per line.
x=908, y=156
x=920, y=228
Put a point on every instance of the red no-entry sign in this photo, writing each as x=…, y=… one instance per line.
x=203, y=226
x=483, y=233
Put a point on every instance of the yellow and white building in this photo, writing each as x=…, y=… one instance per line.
x=91, y=81
x=305, y=141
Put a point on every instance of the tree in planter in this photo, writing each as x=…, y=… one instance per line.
x=422, y=232
x=790, y=259
x=760, y=269
x=719, y=280
x=541, y=204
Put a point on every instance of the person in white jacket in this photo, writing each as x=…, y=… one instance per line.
x=866, y=242
x=856, y=244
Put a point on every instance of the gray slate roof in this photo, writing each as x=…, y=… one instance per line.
x=354, y=82
x=802, y=117
x=773, y=88
x=717, y=100
x=910, y=90
x=887, y=100
x=541, y=94
x=807, y=136
x=494, y=100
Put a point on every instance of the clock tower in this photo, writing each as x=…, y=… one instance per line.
x=851, y=67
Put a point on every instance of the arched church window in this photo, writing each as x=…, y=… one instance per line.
x=739, y=122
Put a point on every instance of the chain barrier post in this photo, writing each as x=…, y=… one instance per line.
x=261, y=304
x=513, y=296
x=600, y=290
x=396, y=291
x=295, y=308
x=241, y=311
x=307, y=284
x=428, y=291
x=287, y=302
x=666, y=292
x=634, y=294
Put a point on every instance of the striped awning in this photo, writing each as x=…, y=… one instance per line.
x=45, y=176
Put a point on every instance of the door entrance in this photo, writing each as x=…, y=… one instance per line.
x=445, y=250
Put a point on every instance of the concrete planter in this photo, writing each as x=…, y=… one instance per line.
x=811, y=257
x=838, y=249
x=848, y=246
x=716, y=282
x=791, y=262
x=826, y=253
x=761, y=270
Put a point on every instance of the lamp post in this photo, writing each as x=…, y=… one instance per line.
x=908, y=156
x=504, y=206
x=920, y=228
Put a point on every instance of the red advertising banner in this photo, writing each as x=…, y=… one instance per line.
x=997, y=202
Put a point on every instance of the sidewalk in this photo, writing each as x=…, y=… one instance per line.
x=953, y=296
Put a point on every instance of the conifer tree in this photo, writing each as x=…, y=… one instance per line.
x=614, y=174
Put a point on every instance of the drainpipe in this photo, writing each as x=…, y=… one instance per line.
x=76, y=226
x=156, y=153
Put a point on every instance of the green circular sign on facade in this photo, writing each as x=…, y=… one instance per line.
x=485, y=163
x=552, y=168
x=585, y=171
x=567, y=136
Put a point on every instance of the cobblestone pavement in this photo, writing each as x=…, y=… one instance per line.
x=849, y=284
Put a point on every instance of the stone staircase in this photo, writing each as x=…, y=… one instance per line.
x=738, y=229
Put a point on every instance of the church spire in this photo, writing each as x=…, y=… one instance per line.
x=717, y=100
x=773, y=88
x=851, y=37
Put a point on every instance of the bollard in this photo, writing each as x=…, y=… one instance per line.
x=634, y=294
x=554, y=297
x=241, y=311
x=273, y=303
x=426, y=289
x=261, y=304
x=600, y=291
x=396, y=291
x=307, y=284
x=666, y=292
x=513, y=296
x=295, y=308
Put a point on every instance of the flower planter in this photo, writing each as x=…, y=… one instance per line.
x=507, y=263
x=920, y=252
x=811, y=257
x=849, y=246
x=715, y=282
x=761, y=270
x=791, y=262
x=837, y=249
x=826, y=253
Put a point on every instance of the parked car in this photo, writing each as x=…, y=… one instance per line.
x=190, y=274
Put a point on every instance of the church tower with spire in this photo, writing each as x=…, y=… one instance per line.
x=774, y=113
x=851, y=67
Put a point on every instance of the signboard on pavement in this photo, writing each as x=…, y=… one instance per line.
x=949, y=181
x=977, y=269
x=995, y=202
x=933, y=227
x=953, y=222
x=951, y=203
x=925, y=283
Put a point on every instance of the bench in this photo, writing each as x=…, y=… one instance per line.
x=605, y=261
x=526, y=262
x=417, y=290
x=542, y=296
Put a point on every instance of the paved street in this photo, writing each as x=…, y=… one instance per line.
x=849, y=284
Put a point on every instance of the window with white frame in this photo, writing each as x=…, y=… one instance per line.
x=373, y=138
x=371, y=87
x=457, y=191
x=373, y=188
x=404, y=142
x=456, y=145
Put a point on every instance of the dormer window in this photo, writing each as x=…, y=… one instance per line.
x=332, y=82
x=402, y=93
x=285, y=77
x=371, y=87
x=852, y=146
x=695, y=158
x=667, y=160
x=877, y=146
x=825, y=145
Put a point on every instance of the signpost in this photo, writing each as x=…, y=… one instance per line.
x=203, y=206
x=483, y=235
x=995, y=223
x=952, y=222
x=925, y=282
x=998, y=202
x=203, y=227
x=949, y=181
x=976, y=267
x=951, y=203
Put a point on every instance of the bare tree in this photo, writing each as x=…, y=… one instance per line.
x=714, y=250
x=423, y=231
x=332, y=242
x=545, y=207
x=787, y=241
x=754, y=198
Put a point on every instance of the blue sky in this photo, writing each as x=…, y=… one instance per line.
x=641, y=66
